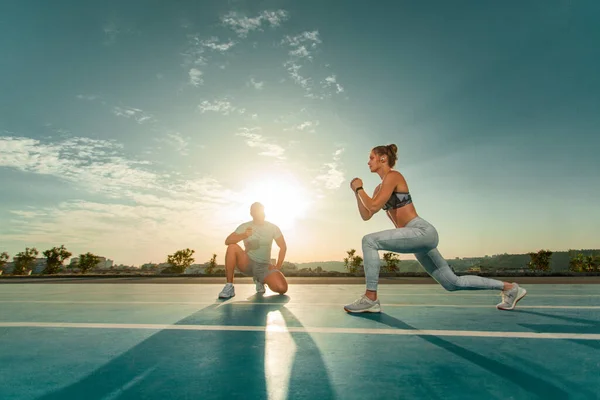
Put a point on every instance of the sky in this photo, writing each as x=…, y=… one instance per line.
x=135, y=129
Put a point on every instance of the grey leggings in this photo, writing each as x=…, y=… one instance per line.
x=420, y=238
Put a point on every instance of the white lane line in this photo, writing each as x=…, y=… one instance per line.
x=307, y=304
x=315, y=294
x=291, y=329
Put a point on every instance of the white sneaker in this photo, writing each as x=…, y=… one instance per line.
x=363, y=304
x=260, y=287
x=227, y=292
x=511, y=297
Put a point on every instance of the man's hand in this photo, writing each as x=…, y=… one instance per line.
x=356, y=183
x=235, y=237
x=273, y=266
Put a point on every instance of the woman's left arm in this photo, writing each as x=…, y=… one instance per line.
x=379, y=199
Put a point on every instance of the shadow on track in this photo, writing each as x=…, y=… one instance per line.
x=211, y=364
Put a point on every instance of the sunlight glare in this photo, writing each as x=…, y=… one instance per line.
x=280, y=350
x=284, y=197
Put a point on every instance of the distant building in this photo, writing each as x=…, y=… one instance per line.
x=153, y=267
x=149, y=267
x=38, y=266
x=195, y=269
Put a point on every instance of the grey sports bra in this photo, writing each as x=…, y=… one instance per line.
x=397, y=200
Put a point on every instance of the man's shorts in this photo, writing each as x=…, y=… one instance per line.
x=258, y=271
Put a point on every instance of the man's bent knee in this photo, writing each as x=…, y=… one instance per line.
x=281, y=289
x=277, y=282
x=234, y=250
x=233, y=247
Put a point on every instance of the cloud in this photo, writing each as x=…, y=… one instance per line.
x=332, y=177
x=300, y=39
x=177, y=142
x=195, y=77
x=115, y=28
x=256, y=140
x=302, y=50
x=26, y=214
x=213, y=44
x=161, y=210
x=302, y=44
x=293, y=69
x=257, y=85
x=99, y=166
x=159, y=224
x=196, y=55
x=96, y=165
x=303, y=120
x=243, y=25
x=221, y=106
x=308, y=126
x=331, y=81
x=88, y=97
x=110, y=32
x=135, y=113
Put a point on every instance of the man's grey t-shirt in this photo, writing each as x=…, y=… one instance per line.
x=258, y=246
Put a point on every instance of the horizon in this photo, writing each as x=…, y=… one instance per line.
x=399, y=257
x=140, y=134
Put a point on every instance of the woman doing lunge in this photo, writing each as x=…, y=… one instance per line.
x=412, y=234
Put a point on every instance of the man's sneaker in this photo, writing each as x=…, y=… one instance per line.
x=227, y=292
x=260, y=287
x=363, y=304
x=511, y=297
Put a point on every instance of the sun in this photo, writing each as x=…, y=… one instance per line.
x=285, y=199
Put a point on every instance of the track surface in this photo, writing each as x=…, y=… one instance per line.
x=140, y=340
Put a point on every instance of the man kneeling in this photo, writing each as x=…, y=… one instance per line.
x=255, y=260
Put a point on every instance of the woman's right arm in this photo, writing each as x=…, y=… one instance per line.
x=365, y=214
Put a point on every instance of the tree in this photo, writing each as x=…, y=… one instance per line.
x=55, y=258
x=577, y=263
x=3, y=260
x=540, y=261
x=353, y=263
x=212, y=264
x=582, y=263
x=595, y=263
x=391, y=262
x=24, y=261
x=87, y=261
x=180, y=260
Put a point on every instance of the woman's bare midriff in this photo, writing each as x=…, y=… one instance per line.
x=403, y=215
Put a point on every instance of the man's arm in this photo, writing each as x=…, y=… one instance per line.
x=282, y=250
x=235, y=237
